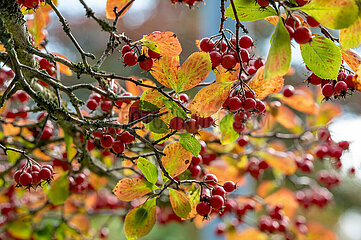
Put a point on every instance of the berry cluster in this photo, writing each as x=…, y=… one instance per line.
x=330, y=148
x=194, y=167
x=256, y=167
x=30, y=4
x=49, y=67
x=305, y=163
x=224, y=53
x=111, y=138
x=5, y=76
x=300, y=34
x=46, y=133
x=106, y=200
x=191, y=124
x=300, y=223
x=78, y=183
x=63, y=162
x=243, y=107
x=314, y=196
x=96, y=100
x=214, y=199
x=31, y=175
x=130, y=58
x=18, y=101
x=275, y=221
x=328, y=178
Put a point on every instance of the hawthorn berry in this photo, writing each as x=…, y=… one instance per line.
x=106, y=141
x=216, y=201
x=211, y=178
x=203, y=208
x=105, y=106
x=206, y=45
x=302, y=35
x=246, y=41
x=217, y=190
x=290, y=31
x=196, y=160
x=216, y=58
x=126, y=137
x=176, y=123
x=229, y=186
x=191, y=125
x=92, y=104
x=328, y=90
x=288, y=91
x=25, y=179
x=263, y=3
x=234, y=104
x=45, y=174
x=146, y=64
x=153, y=54
x=118, y=147
x=243, y=140
x=312, y=22
x=340, y=87
x=228, y=61
x=130, y=59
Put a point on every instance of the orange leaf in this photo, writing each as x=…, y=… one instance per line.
x=210, y=99
x=177, y=159
x=80, y=222
x=128, y=189
x=287, y=118
x=316, y=231
x=351, y=58
x=37, y=24
x=265, y=188
x=226, y=172
x=357, y=79
x=249, y=233
x=301, y=101
x=116, y=3
x=64, y=69
x=2, y=48
x=165, y=43
x=193, y=71
x=154, y=97
x=279, y=160
x=285, y=198
x=264, y=88
x=328, y=111
x=165, y=71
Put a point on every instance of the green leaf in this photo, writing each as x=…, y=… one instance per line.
x=228, y=135
x=323, y=57
x=176, y=110
x=20, y=229
x=190, y=143
x=279, y=56
x=149, y=170
x=157, y=126
x=13, y=156
x=58, y=191
x=249, y=11
x=350, y=37
x=180, y=203
x=194, y=197
x=147, y=106
x=334, y=14
x=140, y=221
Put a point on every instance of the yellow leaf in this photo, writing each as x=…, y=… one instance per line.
x=350, y=37
x=265, y=188
x=116, y=3
x=301, y=101
x=154, y=97
x=165, y=70
x=249, y=233
x=287, y=118
x=357, y=79
x=351, y=58
x=263, y=88
x=180, y=203
x=328, y=111
x=165, y=43
x=177, y=159
x=80, y=222
x=210, y=99
x=279, y=160
x=37, y=25
x=224, y=75
x=128, y=189
x=285, y=198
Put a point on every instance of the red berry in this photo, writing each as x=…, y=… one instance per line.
x=96, y=97
x=243, y=140
x=203, y=208
x=153, y=54
x=251, y=70
x=105, y=106
x=229, y=186
x=344, y=145
x=126, y=137
x=260, y=106
x=130, y=59
x=183, y=98
x=90, y=145
x=258, y=63
x=263, y=3
x=293, y=22
x=146, y=64
x=216, y=201
x=212, y=178
x=91, y=104
x=17, y=176
x=196, y=160
x=291, y=31
x=302, y=2
x=244, y=55
x=217, y=190
x=195, y=170
x=228, y=61
x=106, y=141
x=312, y=22
x=238, y=127
x=240, y=117
x=44, y=174
x=216, y=58
x=125, y=49
x=206, y=122
x=80, y=178
x=288, y=91
x=104, y=232
x=48, y=167
x=249, y=104
x=176, y=123
x=22, y=96
x=328, y=90
x=221, y=46
x=303, y=35
x=206, y=45
x=234, y=104
x=47, y=133
x=221, y=229
x=314, y=79
x=246, y=41
x=118, y=147
x=25, y=179
x=340, y=87
x=191, y=125
x=349, y=81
